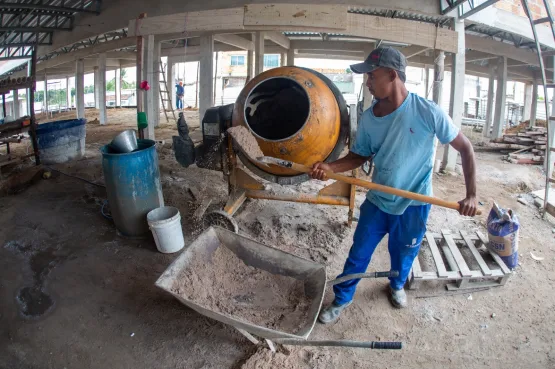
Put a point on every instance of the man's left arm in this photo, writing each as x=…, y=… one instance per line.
x=469, y=205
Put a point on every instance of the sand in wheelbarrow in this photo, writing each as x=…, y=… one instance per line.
x=227, y=285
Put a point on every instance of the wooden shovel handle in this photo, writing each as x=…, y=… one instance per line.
x=391, y=190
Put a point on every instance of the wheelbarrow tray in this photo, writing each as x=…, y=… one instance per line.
x=259, y=256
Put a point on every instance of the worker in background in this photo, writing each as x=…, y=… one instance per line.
x=398, y=132
x=179, y=92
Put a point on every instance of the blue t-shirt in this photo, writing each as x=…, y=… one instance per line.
x=403, y=147
x=179, y=90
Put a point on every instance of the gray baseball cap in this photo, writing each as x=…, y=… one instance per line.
x=387, y=57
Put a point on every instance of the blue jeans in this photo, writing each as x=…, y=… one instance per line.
x=405, y=235
x=178, y=102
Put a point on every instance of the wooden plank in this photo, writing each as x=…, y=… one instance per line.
x=204, y=204
x=494, y=255
x=463, y=267
x=481, y=262
x=402, y=30
x=416, y=269
x=207, y=20
x=441, y=271
x=303, y=15
x=455, y=237
x=449, y=257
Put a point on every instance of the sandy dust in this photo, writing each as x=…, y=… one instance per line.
x=246, y=141
x=224, y=283
x=289, y=358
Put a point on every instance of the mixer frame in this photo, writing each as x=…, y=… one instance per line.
x=242, y=186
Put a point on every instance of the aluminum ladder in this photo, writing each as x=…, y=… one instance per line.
x=165, y=96
x=550, y=119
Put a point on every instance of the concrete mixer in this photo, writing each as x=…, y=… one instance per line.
x=295, y=114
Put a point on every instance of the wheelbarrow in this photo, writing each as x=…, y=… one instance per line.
x=274, y=261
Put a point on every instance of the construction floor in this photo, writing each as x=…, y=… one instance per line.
x=75, y=295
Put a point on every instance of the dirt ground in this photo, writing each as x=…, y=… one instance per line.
x=75, y=295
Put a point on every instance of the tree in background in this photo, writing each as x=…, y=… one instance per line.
x=125, y=84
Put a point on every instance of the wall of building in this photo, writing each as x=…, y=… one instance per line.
x=514, y=6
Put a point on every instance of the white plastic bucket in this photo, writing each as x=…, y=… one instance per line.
x=165, y=224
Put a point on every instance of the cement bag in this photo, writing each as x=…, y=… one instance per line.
x=503, y=229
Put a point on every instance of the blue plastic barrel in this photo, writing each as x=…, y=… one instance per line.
x=61, y=141
x=133, y=186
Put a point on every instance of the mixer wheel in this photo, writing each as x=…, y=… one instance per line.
x=222, y=219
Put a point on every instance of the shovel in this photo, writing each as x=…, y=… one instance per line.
x=366, y=184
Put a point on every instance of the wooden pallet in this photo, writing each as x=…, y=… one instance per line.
x=457, y=270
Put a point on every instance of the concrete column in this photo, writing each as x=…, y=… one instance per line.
x=427, y=81
x=489, y=107
x=534, y=105
x=15, y=109
x=27, y=91
x=80, y=88
x=28, y=101
x=500, y=98
x=456, y=107
x=206, y=72
x=147, y=75
x=68, y=94
x=290, y=57
x=283, y=59
x=527, y=101
x=171, y=85
x=96, y=86
x=118, y=87
x=258, y=53
x=548, y=165
x=439, y=69
x=45, y=94
x=103, y=116
x=366, y=95
x=155, y=84
x=437, y=86
x=250, y=61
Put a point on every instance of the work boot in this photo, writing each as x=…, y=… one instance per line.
x=331, y=313
x=398, y=298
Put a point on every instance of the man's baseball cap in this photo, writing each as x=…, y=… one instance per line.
x=386, y=57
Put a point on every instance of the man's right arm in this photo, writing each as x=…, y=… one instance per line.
x=349, y=162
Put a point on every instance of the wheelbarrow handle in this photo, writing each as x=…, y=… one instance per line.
x=392, y=274
x=341, y=343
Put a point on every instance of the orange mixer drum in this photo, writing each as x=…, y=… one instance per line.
x=295, y=114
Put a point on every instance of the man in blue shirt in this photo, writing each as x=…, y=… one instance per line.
x=398, y=132
x=179, y=92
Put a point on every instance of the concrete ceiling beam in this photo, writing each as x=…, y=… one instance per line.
x=278, y=38
x=490, y=46
x=330, y=45
x=234, y=20
x=235, y=40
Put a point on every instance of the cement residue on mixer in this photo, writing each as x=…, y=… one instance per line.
x=246, y=141
x=225, y=284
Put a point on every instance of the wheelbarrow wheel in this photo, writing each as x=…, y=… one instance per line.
x=222, y=219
